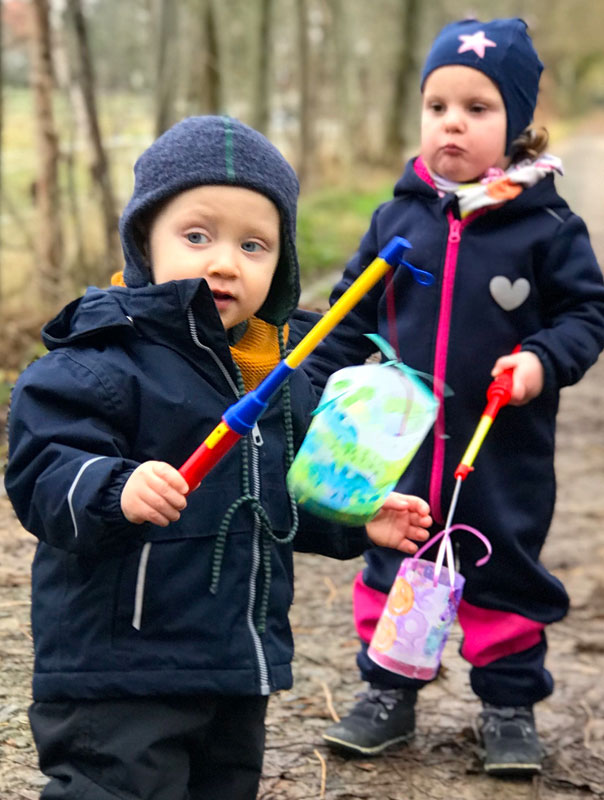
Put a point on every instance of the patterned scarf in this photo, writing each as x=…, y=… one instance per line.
x=497, y=186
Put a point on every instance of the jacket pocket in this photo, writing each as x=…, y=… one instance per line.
x=139, y=589
x=165, y=613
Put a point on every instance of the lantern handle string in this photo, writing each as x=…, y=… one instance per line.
x=444, y=535
x=392, y=360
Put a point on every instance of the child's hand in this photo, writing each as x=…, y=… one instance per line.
x=401, y=518
x=155, y=492
x=527, y=377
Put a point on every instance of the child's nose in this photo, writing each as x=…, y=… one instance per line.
x=453, y=118
x=223, y=259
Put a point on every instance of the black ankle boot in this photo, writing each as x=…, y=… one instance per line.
x=510, y=739
x=382, y=718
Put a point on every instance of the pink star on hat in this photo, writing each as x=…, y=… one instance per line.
x=476, y=42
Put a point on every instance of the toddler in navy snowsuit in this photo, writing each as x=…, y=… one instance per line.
x=512, y=265
x=160, y=620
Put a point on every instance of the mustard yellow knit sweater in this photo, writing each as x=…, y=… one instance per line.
x=257, y=352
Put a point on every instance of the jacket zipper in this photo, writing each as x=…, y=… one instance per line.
x=440, y=360
x=261, y=658
x=145, y=552
x=456, y=228
x=256, y=441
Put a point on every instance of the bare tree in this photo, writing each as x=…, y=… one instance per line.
x=46, y=189
x=212, y=60
x=261, y=111
x=99, y=166
x=306, y=137
x=166, y=29
x=409, y=19
x=204, y=91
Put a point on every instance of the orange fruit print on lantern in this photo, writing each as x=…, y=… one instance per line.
x=400, y=599
x=384, y=635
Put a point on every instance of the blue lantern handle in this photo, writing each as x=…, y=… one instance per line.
x=419, y=275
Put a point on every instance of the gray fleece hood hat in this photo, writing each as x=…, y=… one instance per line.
x=206, y=150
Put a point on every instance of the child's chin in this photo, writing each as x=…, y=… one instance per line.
x=229, y=321
x=457, y=175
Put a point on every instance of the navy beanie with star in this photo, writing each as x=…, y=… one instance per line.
x=503, y=50
x=212, y=150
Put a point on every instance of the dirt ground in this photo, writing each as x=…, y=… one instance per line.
x=443, y=761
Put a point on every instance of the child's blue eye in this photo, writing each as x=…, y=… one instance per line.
x=195, y=237
x=251, y=247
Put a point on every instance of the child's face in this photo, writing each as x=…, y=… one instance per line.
x=464, y=124
x=226, y=234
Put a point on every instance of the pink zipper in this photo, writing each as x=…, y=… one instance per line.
x=456, y=228
x=440, y=362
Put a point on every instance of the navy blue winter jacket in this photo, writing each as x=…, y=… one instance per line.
x=524, y=273
x=121, y=609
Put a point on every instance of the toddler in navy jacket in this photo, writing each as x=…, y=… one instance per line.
x=160, y=620
x=512, y=265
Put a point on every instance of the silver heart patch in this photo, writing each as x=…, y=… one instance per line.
x=509, y=295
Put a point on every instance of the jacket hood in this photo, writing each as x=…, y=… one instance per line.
x=106, y=313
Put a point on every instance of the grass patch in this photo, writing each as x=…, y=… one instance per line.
x=331, y=222
x=5, y=390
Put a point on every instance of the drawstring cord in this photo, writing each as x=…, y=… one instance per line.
x=266, y=529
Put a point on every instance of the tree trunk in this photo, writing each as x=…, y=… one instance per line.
x=166, y=27
x=196, y=98
x=46, y=188
x=204, y=92
x=212, y=61
x=261, y=111
x=395, y=140
x=99, y=166
x=306, y=137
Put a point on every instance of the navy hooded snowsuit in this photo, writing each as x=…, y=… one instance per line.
x=549, y=297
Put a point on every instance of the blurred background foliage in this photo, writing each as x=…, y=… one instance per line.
x=85, y=86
